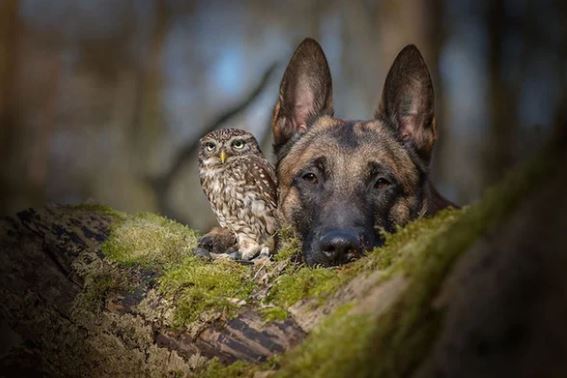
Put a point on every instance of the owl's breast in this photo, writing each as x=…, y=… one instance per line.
x=239, y=202
x=222, y=190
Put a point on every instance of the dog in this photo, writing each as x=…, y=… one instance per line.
x=342, y=182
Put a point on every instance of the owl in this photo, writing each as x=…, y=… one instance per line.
x=240, y=185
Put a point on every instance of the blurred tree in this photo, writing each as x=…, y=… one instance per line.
x=135, y=81
x=502, y=97
x=148, y=113
x=9, y=42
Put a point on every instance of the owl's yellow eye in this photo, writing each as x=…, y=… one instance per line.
x=210, y=146
x=238, y=144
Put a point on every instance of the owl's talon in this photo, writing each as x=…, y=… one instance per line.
x=202, y=253
x=262, y=260
x=235, y=255
x=205, y=242
x=264, y=252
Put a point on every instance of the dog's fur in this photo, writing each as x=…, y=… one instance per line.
x=341, y=181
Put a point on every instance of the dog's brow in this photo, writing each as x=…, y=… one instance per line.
x=375, y=167
x=318, y=162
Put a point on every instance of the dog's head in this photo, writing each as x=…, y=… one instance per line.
x=341, y=182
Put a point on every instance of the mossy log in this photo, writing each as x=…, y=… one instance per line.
x=87, y=291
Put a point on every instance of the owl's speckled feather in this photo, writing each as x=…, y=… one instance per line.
x=240, y=185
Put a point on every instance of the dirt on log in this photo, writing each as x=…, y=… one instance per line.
x=87, y=291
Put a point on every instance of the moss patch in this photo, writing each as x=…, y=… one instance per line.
x=101, y=209
x=289, y=245
x=409, y=240
x=195, y=286
x=273, y=313
x=304, y=282
x=149, y=240
x=334, y=346
x=198, y=287
x=215, y=369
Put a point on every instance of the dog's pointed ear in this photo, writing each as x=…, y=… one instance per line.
x=305, y=92
x=408, y=101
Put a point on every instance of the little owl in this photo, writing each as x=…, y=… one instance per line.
x=241, y=187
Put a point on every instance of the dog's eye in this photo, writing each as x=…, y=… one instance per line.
x=309, y=177
x=381, y=183
x=238, y=144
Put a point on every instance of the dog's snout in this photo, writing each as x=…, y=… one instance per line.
x=340, y=246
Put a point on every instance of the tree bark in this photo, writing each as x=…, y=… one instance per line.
x=48, y=260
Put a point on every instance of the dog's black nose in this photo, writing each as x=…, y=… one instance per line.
x=340, y=246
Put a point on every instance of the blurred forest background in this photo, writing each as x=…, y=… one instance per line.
x=102, y=100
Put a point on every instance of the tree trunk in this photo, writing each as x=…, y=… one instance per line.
x=479, y=292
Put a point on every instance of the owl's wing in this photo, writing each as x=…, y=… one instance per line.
x=264, y=176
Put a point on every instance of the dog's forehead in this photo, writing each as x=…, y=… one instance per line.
x=354, y=143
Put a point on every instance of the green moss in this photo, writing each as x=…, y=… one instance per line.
x=95, y=289
x=197, y=287
x=273, y=313
x=408, y=240
x=215, y=369
x=303, y=282
x=149, y=240
x=336, y=344
x=101, y=209
x=289, y=245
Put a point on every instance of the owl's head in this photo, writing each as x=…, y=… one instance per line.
x=226, y=145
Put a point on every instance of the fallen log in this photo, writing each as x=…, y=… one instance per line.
x=88, y=291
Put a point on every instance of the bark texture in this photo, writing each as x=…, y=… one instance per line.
x=79, y=314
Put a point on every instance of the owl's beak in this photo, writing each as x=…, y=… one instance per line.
x=223, y=156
